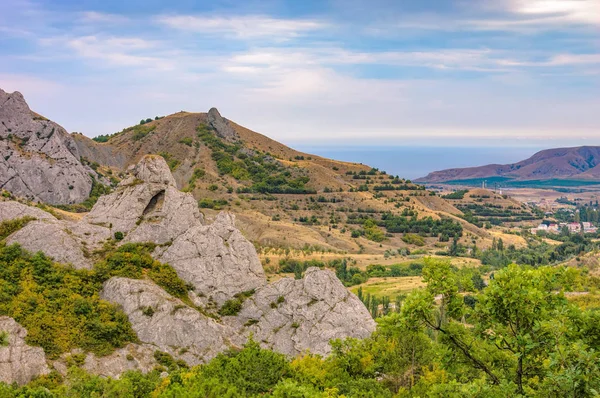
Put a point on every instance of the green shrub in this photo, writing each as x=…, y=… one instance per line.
x=231, y=307
x=414, y=239
x=8, y=227
x=186, y=141
x=58, y=305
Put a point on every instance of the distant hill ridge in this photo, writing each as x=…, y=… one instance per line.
x=576, y=163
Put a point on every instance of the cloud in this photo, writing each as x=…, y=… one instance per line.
x=101, y=17
x=115, y=51
x=530, y=16
x=243, y=27
x=575, y=11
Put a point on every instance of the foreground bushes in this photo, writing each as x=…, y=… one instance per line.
x=517, y=337
x=59, y=305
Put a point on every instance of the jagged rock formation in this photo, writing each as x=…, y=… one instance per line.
x=216, y=259
x=19, y=362
x=168, y=323
x=289, y=316
x=292, y=316
x=221, y=126
x=147, y=206
x=39, y=159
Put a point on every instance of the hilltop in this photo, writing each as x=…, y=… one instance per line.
x=282, y=198
x=566, y=164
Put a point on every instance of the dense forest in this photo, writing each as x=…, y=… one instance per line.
x=519, y=335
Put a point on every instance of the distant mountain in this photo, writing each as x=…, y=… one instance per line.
x=577, y=163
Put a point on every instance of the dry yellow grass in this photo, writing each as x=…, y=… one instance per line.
x=390, y=287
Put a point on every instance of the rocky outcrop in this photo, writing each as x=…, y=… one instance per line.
x=289, y=316
x=147, y=206
x=293, y=316
x=54, y=238
x=221, y=125
x=19, y=362
x=39, y=159
x=10, y=210
x=216, y=259
x=138, y=357
x=132, y=357
x=168, y=323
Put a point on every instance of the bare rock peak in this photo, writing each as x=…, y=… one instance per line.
x=222, y=125
x=40, y=160
x=154, y=169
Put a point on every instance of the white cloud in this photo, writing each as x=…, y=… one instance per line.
x=117, y=51
x=576, y=11
x=531, y=16
x=244, y=27
x=101, y=17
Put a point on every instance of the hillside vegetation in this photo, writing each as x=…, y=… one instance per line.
x=519, y=336
x=284, y=198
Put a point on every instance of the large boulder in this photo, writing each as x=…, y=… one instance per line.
x=147, y=206
x=19, y=362
x=168, y=323
x=10, y=210
x=293, y=316
x=216, y=259
x=39, y=159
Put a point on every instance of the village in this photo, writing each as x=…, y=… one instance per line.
x=572, y=227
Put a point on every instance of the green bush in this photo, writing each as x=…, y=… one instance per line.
x=413, y=239
x=231, y=307
x=8, y=227
x=186, y=141
x=58, y=305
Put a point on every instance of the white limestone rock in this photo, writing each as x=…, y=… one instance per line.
x=292, y=316
x=39, y=159
x=166, y=322
x=216, y=259
x=19, y=362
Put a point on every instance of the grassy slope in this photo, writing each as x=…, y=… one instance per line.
x=256, y=216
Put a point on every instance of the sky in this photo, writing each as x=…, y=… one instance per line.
x=331, y=72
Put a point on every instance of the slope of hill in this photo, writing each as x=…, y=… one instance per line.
x=578, y=163
x=282, y=197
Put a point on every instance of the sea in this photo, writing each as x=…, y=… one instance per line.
x=417, y=161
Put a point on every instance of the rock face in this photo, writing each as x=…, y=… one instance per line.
x=292, y=316
x=216, y=259
x=221, y=125
x=289, y=316
x=12, y=210
x=168, y=323
x=147, y=206
x=19, y=362
x=39, y=160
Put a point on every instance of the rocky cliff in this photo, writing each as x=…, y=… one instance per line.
x=40, y=160
x=215, y=260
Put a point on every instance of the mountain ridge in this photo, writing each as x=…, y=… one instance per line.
x=580, y=162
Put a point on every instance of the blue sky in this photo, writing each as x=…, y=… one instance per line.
x=422, y=72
